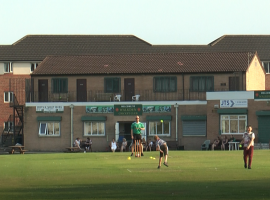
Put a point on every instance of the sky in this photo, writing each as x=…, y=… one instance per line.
x=154, y=21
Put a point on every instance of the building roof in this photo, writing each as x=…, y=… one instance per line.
x=37, y=47
x=145, y=63
x=235, y=43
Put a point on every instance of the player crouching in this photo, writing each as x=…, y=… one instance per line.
x=161, y=146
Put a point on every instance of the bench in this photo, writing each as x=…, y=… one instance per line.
x=73, y=149
x=22, y=151
x=104, y=97
x=172, y=145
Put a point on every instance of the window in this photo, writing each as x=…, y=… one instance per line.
x=34, y=66
x=201, y=83
x=158, y=128
x=8, y=97
x=112, y=85
x=233, y=124
x=49, y=128
x=8, y=67
x=8, y=126
x=59, y=85
x=194, y=128
x=165, y=84
x=94, y=128
x=266, y=66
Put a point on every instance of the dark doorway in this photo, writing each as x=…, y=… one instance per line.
x=43, y=90
x=81, y=90
x=234, y=83
x=129, y=88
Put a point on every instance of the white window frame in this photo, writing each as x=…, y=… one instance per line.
x=268, y=66
x=8, y=66
x=92, y=132
x=156, y=124
x=46, y=132
x=10, y=124
x=9, y=97
x=34, y=65
x=230, y=117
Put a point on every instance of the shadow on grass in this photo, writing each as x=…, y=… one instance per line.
x=248, y=189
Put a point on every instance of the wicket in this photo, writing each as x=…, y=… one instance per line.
x=138, y=148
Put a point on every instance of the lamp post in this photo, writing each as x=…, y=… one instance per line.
x=71, y=124
x=176, y=121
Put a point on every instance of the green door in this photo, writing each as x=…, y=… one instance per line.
x=264, y=129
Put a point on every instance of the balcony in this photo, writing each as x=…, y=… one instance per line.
x=100, y=96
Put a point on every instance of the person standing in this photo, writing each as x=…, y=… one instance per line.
x=248, y=141
x=161, y=146
x=136, y=130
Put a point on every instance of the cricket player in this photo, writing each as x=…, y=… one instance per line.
x=161, y=146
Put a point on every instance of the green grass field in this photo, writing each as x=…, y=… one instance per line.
x=190, y=175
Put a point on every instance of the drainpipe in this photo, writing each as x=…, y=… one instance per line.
x=71, y=124
x=176, y=122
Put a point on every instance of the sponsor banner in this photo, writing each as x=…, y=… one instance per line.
x=157, y=108
x=234, y=103
x=49, y=109
x=99, y=109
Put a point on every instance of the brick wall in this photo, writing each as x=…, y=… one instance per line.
x=10, y=83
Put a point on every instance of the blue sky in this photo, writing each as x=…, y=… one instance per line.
x=155, y=21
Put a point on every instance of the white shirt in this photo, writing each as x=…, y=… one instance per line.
x=247, y=138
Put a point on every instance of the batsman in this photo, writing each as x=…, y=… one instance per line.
x=136, y=128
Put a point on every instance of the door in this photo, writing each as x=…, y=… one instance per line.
x=129, y=88
x=43, y=90
x=234, y=83
x=81, y=90
x=144, y=131
x=116, y=132
x=263, y=129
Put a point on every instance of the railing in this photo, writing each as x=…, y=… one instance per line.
x=13, y=134
x=101, y=96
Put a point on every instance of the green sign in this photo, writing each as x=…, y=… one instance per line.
x=156, y=108
x=262, y=94
x=99, y=109
x=135, y=109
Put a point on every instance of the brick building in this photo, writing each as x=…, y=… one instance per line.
x=172, y=87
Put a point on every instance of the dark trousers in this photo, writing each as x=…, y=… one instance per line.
x=248, y=153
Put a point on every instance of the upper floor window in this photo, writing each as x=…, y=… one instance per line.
x=112, y=85
x=33, y=66
x=202, y=83
x=165, y=84
x=8, y=97
x=59, y=85
x=8, y=67
x=49, y=128
x=266, y=66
